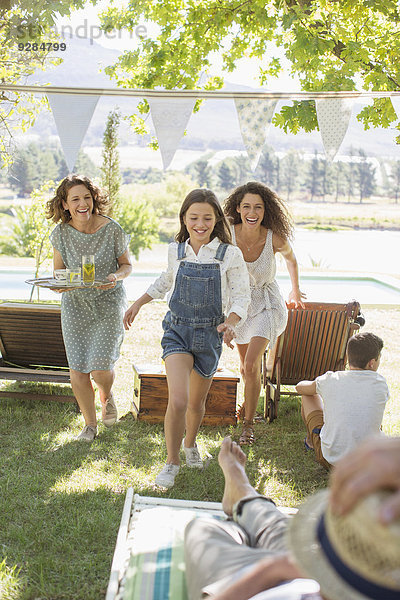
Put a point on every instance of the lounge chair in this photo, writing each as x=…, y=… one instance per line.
x=148, y=561
x=313, y=342
x=32, y=348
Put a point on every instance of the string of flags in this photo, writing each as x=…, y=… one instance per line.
x=171, y=113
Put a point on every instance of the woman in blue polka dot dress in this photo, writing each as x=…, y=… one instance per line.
x=91, y=319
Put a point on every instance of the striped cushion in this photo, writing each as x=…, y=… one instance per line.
x=156, y=569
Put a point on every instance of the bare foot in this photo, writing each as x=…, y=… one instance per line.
x=232, y=460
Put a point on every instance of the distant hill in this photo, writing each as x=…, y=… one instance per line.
x=215, y=126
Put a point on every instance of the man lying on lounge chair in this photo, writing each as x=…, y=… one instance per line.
x=257, y=555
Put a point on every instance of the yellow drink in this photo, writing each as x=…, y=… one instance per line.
x=88, y=274
x=88, y=270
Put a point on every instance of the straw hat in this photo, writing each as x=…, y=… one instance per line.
x=353, y=557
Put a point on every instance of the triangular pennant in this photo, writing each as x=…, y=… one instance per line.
x=72, y=115
x=333, y=116
x=170, y=118
x=255, y=117
x=396, y=105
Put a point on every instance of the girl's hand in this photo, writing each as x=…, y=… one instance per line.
x=295, y=297
x=229, y=333
x=130, y=315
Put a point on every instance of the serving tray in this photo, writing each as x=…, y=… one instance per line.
x=54, y=284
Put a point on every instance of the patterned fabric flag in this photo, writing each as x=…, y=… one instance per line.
x=170, y=118
x=396, y=105
x=72, y=115
x=333, y=116
x=255, y=117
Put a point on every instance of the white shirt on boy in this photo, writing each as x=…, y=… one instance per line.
x=354, y=402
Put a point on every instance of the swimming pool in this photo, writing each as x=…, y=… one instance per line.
x=367, y=289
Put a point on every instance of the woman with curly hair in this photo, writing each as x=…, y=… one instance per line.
x=261, y=226
x=91, y=319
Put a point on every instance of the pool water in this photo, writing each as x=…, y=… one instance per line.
x=333, y=287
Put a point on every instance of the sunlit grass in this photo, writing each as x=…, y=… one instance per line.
x=11, y=583
x=61, y=500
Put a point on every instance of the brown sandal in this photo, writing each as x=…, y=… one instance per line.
x=247, y=437
x=240, y=412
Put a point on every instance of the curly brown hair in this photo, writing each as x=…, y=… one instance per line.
x=55, y=208
x=276, y=215
x=221, y=229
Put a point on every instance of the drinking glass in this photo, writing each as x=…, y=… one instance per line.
x=74, y=276
x=88, y=270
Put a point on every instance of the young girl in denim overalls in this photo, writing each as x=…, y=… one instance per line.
x=206, y=277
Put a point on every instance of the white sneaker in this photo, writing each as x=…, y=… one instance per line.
x=87, y=434
x=193, y=458
x=166, y=477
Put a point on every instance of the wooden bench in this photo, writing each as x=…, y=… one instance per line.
x=151, y=396
x=313, y=342
x=32, y=348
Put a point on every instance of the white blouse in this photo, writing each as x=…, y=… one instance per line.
x=234, y=275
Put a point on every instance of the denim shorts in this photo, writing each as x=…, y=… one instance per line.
x=203, y=342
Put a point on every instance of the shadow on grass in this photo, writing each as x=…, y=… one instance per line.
x=62, y=500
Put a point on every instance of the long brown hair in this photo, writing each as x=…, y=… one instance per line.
x=276, y=215
x=55, y=206
x=221, y=229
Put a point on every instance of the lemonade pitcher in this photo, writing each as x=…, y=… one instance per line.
x=88, y=269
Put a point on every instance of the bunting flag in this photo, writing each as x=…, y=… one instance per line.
x=255, y=117
x=333, y=116
x=72, y=115
x=396, y=105
x=170, y=118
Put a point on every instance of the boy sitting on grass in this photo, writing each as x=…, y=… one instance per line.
x=341, y=408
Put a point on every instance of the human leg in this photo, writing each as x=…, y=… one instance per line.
x=250, y=368
x=104, y=381
x=314, y=423
x=219, y=552
x=84, y=394
x=312, y=414
x=256, y=514
x=216, y=552
x=310, y=403
x=178, y=369
x=270, y=359
x=198, y=390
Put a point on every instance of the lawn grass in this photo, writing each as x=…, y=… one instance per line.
x=61, y=501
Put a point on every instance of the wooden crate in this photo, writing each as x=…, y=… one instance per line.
x=151, y=396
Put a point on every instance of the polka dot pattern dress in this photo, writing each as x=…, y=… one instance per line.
x=267, y=313
x=91, y=319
